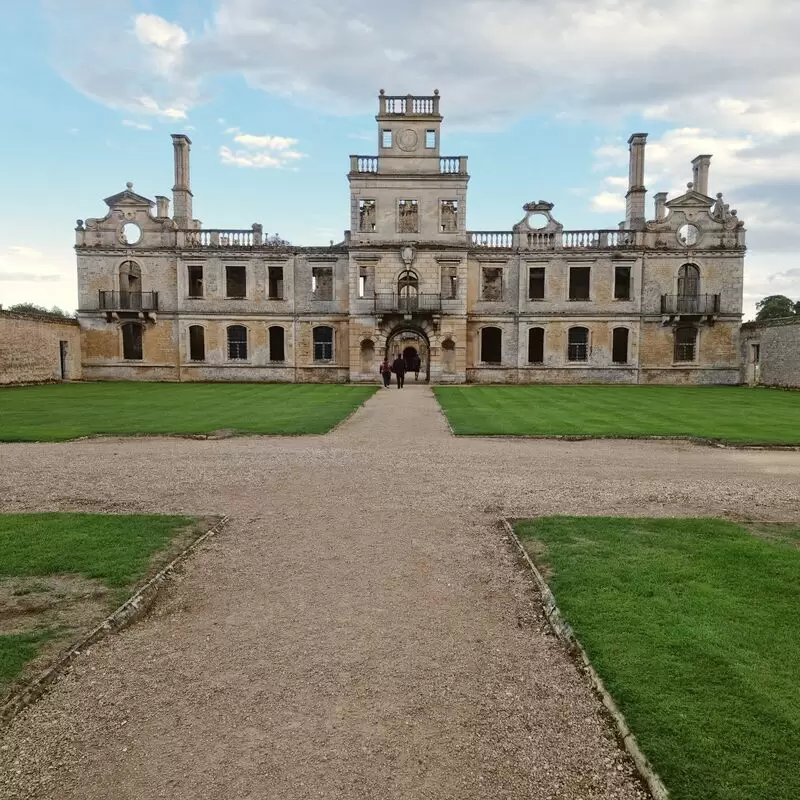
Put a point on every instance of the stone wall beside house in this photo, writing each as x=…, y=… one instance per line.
x=771, y=352
x=38, y=349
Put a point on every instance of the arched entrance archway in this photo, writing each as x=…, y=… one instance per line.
x=405, y=340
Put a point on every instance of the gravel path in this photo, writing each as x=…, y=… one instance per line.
x=360, y=629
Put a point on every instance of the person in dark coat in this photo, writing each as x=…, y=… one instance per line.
x=386, y=372
x=399, y=369
x=416, y=363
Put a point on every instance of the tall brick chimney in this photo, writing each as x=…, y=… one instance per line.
x=634, y=200
x=181, y=191
x=700, y=167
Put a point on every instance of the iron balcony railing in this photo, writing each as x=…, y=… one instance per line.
x=408, y=303
x=690, y=304
x=129, y=301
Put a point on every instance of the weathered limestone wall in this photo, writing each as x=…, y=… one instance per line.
x=778, y=344
x=30, y=349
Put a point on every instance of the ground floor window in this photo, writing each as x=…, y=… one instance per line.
x=277, y=343
x=132, y=341
x=619, y=346
x=323, y=343
x=491, y=345
x=578, y=344
x=685, y=344
x=197, y=343
x=536, y=345
x=237, y=343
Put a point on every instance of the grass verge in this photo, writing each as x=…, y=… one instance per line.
x=67, y=411
x=692, y=624
x=61, y=573
x=732, y=414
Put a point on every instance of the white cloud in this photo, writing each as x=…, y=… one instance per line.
x=241, y=158
x=606, y=202
x=265, y=142
x=24, y=251
x=260, y=151
x=139, y=126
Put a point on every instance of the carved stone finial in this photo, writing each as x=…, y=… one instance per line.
x=719, y=195
x=79, y=224
x=382, y=92
x=129, y=185
x=690, y=186
x=435, y=92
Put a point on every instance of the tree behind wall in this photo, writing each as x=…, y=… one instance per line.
x=776, y=306
x=32, y=308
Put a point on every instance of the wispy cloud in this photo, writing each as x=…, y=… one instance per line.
x=24, y=251
x=139, y=126
x=260, y=152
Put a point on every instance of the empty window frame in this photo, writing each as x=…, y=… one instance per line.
x=450, y=282
x=365, y=282
x=277, y=343
x=622, y=283
x=491, y=345
x=236, y=282
x=536, y=283
x=275, y=283
x=619, y=345
x=430, y=139
x=132, y=341
x=579, y=283
x=197, y=343
x=685, y=344
x=386, y=138
x=322, y=283
x=237, y=343
x=323, y=343
x=366, y=215
x=408, y=216
x=195, y=275
x=578, y=344
x=536, y=346
x=448, y=216
x=492, y=284
x=689, y=280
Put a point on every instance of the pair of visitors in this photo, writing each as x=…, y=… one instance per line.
x=385, y=370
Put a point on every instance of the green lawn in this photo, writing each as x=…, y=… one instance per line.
x=694, y=626
x=106, y=554
x=731, y=414
x=66, y=411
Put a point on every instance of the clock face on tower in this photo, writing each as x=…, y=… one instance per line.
x=407, y=139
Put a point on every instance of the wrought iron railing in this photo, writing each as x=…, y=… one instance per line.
x=129, y=301
x=690, y=303
x=408, y=303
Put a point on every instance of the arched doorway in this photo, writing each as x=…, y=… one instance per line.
x=405, y=341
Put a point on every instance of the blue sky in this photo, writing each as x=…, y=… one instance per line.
x=541, y=96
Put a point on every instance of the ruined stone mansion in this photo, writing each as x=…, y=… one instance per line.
x=656, y=300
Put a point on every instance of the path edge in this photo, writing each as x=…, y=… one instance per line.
x=564, y=632
x=135, y=607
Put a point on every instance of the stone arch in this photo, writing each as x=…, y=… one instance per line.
x=130, y=277
x=689, y=280
x=411, y=335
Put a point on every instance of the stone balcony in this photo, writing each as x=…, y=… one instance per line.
x=373, y=165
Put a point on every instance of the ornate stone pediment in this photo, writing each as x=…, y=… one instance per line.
x=690, y=200
x=538, y=219
x=128, y=198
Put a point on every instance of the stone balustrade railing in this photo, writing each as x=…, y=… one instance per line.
x=455, y=165
x=365, y=164
x=494, y=239
x=425, y=105
x=553, y=240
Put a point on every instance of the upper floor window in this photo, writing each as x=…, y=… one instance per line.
x=195, y=275
x=492, y=284
x=536, y=283
x=323, y=343
x=685, y=344
x=132, y=341
x=619, y=345
x=386, y=138
x=366, y=215
x=689, y=280
x=322, y=283
x=491, y=345
x=450, y=282
x=407, y=216
x=236, y=282
x=237, y=343
x=579, y=283
x=578, y=344
x=275, y=283
x=622, y=283
x=197, y=343
x=130, y=278
x=536, y=345
x=430, y=139
x=448, y=216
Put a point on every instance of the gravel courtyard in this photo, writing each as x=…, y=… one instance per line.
x=360, y=628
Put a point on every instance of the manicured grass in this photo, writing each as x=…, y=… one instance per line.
x=115, y=550
x=694, y=626
x=66, y=411
x=733, y=414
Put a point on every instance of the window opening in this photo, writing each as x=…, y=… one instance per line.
x=322, y=283
x=408, y=216
x=579, y=278
x=132, y=341
x=448, y=215
x=536, y=283
x=688, y=281
x=195, y=281
x=619, y=346
x=578, y=344
x=386, y=138
x=491, y=345
x=197, y=343
x=277, y=343
x=685, y=344
x=275, y=283
x=430, y=139
x=366, y=215
x=236, y=282
x=323, y=343
x=622, y=283
x=237, y=343
x=536, y=345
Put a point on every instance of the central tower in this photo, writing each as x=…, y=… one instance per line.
x=409, y=192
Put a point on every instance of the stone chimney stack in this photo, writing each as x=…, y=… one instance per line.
x=162, y=206
x=661, y=205
x=700, y=167
x=181, y=191
x=634, y=200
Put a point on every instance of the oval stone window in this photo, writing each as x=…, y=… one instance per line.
x=537, y=221
x=131, y=233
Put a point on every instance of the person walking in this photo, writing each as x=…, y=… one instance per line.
x=416, y=363
x=386, y=372
x=399, y=369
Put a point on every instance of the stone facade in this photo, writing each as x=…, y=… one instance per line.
x=771, y=353
x=38, y=349
x=658, y=301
